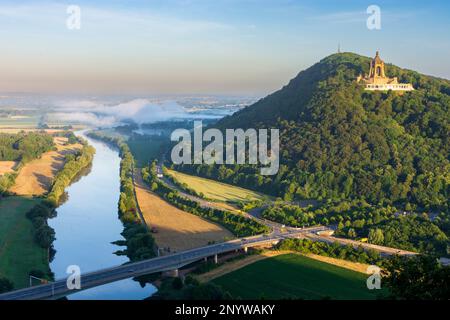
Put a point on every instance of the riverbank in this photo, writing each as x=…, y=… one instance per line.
x=37, y=177
x=139, y=242
x=26, y=240
x=73, y=166
x=91, y=211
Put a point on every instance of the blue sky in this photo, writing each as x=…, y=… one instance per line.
x=206, y=46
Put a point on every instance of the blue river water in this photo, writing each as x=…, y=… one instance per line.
x=88, y=222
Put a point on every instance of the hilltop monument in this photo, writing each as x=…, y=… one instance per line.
x=377, y=80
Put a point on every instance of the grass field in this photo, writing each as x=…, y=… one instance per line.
x=216, y=190
x=27, y=123
x=19, y=122
x=36, y=177
x=175, y=228
x=295, y=276
x=17, y=130
x=18, y=252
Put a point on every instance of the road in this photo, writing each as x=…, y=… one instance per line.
x=178, y=260
x=384, y=251
x=174, y=261
x=154, y=265
x=274, y=226
x=279, y=229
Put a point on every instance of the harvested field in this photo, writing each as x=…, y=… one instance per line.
x=36, y=177
x=175, y=229
x=7, y=167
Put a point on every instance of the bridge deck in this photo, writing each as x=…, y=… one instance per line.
x=177, y=260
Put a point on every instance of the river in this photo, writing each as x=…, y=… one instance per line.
x=88, y=222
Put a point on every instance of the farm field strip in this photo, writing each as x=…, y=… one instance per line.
x=18, y=252
x=296, y=276
x=7, y=167
x=217, y=191
x=174, y=228
x=238, y=264
x=36, y=177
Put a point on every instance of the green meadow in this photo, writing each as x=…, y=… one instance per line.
x=19, y=254
x=217, y=191
x=293, y=276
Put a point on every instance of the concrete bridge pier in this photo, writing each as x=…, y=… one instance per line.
x=216, y=260
x=245, y=249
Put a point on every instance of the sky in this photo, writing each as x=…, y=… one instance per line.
x=239, y=47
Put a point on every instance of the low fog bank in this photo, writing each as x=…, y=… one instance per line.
x=139, y=111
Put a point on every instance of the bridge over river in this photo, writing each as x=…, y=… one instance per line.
x=175, y=261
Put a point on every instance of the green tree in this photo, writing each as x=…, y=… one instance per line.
x=351, y=233
x=376, y=236
x=177, y=283
x=45, y=236
x=417, y=278
x=5, y=285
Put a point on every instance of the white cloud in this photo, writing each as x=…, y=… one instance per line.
x=79, y=104
x=137, y=110
x=83, y=117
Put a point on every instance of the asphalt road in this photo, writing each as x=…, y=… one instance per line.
x=172, y=262
x=164, y=263
x=177, y=260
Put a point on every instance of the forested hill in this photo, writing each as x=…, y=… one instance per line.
x=302, y=99
x=339, y=141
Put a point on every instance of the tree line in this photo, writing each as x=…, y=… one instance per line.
x=73, y=165
x=357, y=219
x=183, y=186
x=239, y=225
x=334, y=250
x=22, y=148
x=421, y=277
x=139, y=243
